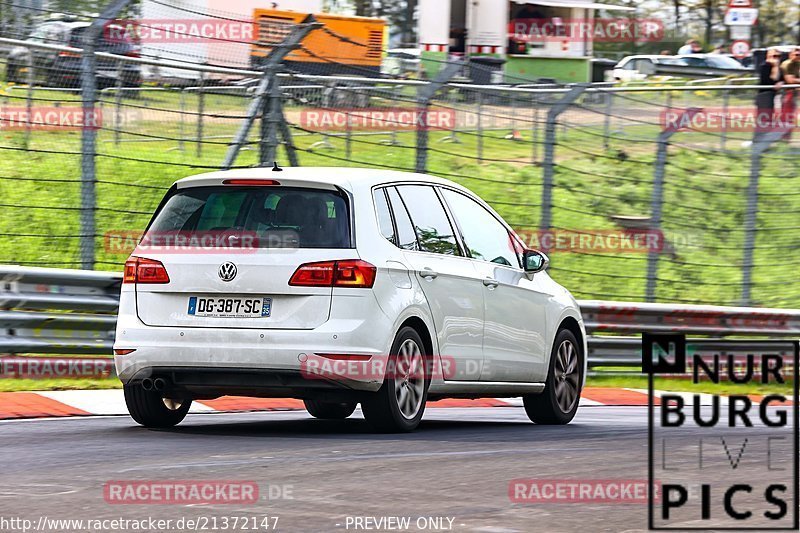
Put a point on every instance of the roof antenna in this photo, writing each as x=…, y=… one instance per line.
x=275, y=167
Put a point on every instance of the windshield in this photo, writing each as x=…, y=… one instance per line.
x=269, y=217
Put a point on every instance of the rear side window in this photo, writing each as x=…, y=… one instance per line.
x=277, y=217
x=384, y=215
x=433, y=229
x=406, y=237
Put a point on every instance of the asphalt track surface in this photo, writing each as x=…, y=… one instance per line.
x=458, y=464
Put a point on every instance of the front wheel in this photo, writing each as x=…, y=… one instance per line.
x=399, y=404
x=150, y=409
x=558, y=403
x=330, y=410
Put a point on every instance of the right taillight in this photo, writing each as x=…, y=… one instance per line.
x=141, y=270
x=347, y=273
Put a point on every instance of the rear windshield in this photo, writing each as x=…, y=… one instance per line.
x=277, y=217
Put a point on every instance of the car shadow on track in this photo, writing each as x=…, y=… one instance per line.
x=357, y=428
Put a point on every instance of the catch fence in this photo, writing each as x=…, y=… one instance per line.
x=638, y=191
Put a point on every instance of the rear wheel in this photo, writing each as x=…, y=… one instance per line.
x=330, y=410
x=150, y=409
x=400, y=403
x=558, y=403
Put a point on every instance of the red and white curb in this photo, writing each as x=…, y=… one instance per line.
x=111, y=402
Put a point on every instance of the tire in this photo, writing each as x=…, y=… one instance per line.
x=330, y=410
x=150, y=409
x=391, y=410
x=558, y=403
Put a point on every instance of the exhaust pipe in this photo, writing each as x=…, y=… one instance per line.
x=159, y=384
x=147, y=384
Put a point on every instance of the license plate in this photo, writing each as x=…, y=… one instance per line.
x=230, y=307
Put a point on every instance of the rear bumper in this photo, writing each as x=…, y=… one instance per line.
x=269, y=353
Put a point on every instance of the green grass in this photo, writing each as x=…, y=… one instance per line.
x=48, y=384
x=686, y=385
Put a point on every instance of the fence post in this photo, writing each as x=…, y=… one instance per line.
x=181, y=132
x=607, y=120
x=726, y=95
x=479, y=124
x=31, y=79
x=761, y=142
x=549, y=152
x=118, y=104
x=201, y=108
x=348, y=124
x=657, y=201
x=425, y=94
x=89, y=132
x=267, y=90
x=534, y=128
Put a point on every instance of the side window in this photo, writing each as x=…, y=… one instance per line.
x=434, y=232
x=486, y=238
x=384, y=215
x=406, y=238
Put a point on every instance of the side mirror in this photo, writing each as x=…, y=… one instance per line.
x=534, y=261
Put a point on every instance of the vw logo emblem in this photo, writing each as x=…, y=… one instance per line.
x=227, y=271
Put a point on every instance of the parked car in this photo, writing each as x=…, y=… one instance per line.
x=401, y=62
x=412, y=275
x=639, y=67
x=62, y=68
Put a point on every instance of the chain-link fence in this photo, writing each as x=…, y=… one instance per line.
x=661, y=191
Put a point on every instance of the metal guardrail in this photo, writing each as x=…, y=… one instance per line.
x=71, y=312
x=57, y=311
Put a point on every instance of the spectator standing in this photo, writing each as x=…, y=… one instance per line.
x=769, y=73
x=790, y=69
x=692, y=46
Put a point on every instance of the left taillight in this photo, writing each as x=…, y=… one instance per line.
x=347, y=273
x=141, y=270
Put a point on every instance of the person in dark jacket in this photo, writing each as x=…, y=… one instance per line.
x=769, y=74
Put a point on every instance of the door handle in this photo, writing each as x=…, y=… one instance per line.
x=491, y=283
x=428, y=273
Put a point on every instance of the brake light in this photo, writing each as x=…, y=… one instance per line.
x=347, y=273
x=141, y=270
x=65, y=53
x=354, y=274
x=252, y=182
x=123, y=351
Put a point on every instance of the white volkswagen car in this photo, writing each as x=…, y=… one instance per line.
x=340, y=287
